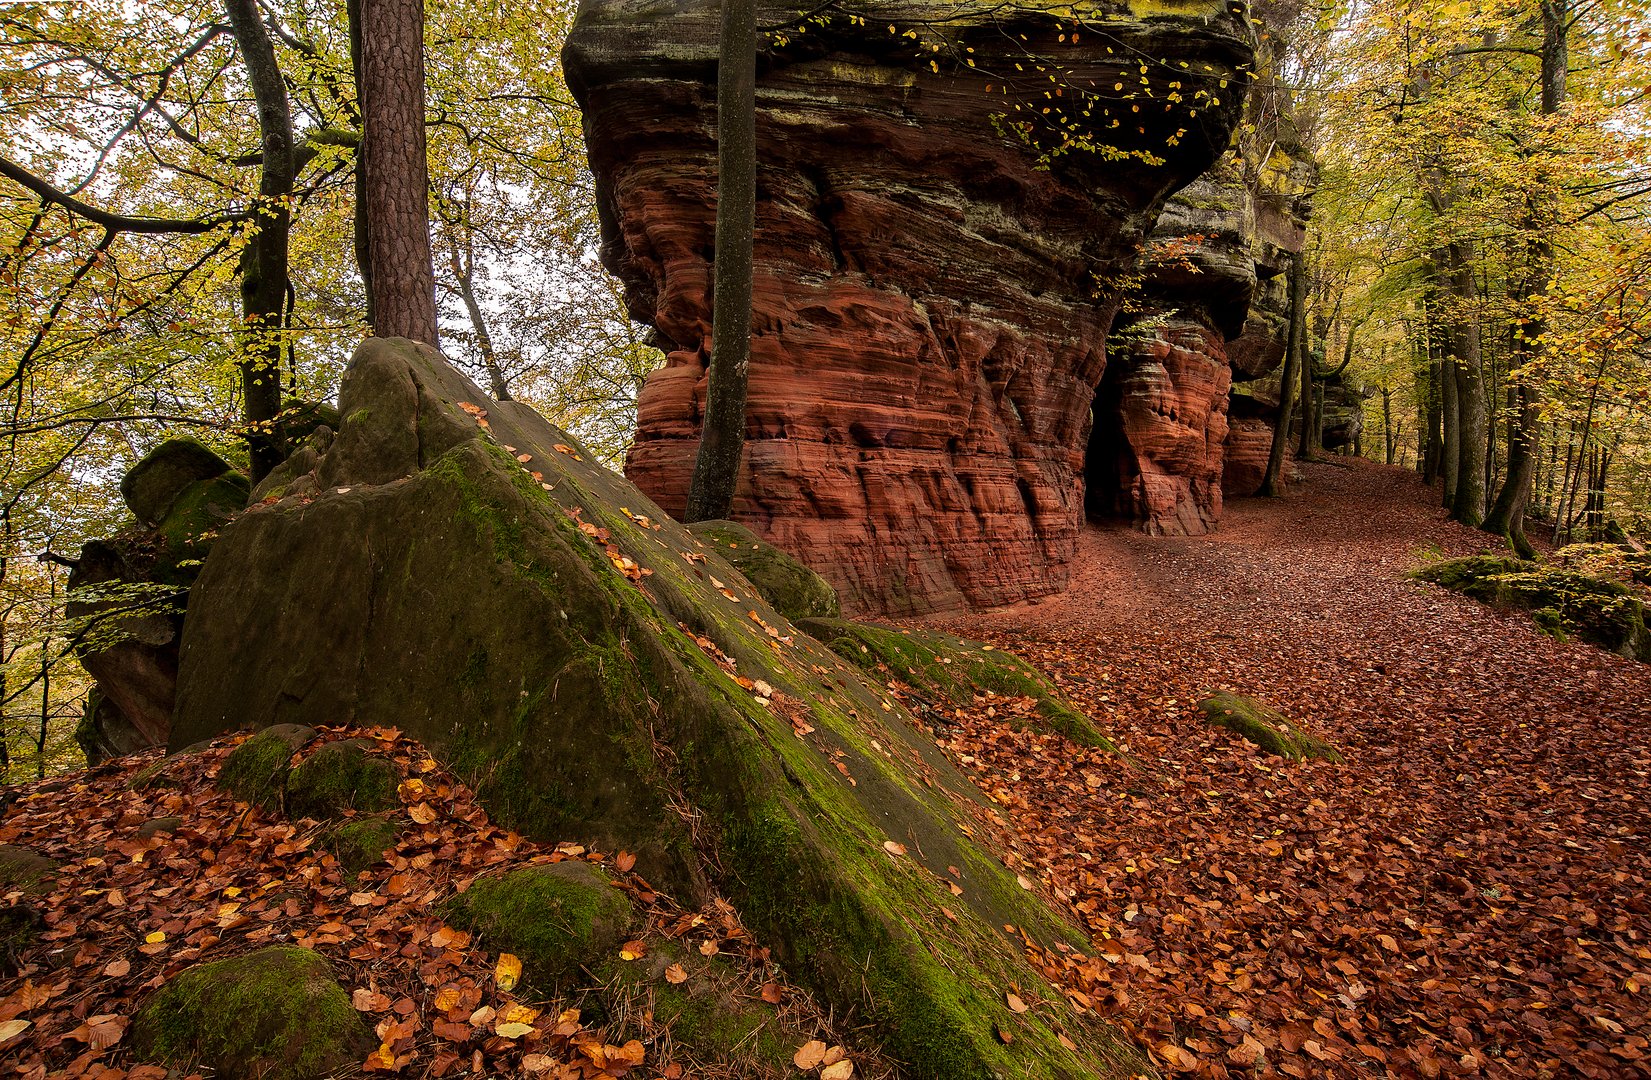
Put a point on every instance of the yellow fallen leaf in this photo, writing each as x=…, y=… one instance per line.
x=11, y=1029
x=840, y=1071
x=810, y=1055
x=1015, y=1003
x=513, y=1030
x=155, y=937
x=507, y=971
x=423, y=813
x=447, y=998
x=521, y=1014
x=893, y=848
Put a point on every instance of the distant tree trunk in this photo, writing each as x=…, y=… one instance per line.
x=264, y=279
x=1306, y=444
x=1468, y=504
x=722, y=435
x=464, y=272
x=363, y=243
x=1507, y=516
x=1272, y=481
x=403, y=280
x=1450, y=458
x=1389, y=436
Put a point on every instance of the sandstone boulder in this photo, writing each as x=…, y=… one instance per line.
x=457, y=568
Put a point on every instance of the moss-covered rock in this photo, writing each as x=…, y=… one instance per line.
x=461, y=571
x=943, y=668
x=341, y=776
x=275, y=1014
x=151, y=485
x=24, y=870
x=557, y=918
x=256, y=771
x=161, y=826
x=1565, y=602
x=1266, y=727
x=20, y=928
x=795, y=591
x=360, y=844
x=712, y=1017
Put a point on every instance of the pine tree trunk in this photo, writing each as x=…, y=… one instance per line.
x=403, y=280
x=722, y=436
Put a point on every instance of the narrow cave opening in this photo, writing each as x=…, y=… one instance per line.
x=1106, y=451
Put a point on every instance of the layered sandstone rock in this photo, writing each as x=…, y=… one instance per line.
x=939, y=253
x=1214, y=308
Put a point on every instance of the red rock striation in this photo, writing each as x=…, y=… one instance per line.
x=936, y=252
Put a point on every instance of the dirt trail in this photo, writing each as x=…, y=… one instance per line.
x=1467, y=896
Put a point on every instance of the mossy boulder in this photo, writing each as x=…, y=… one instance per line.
x=151, y=486
x=943, y=669
x=460, y=570
x=275, y=1014
x=127, y=593
x=1564, y=601
x=256, y=771
x=339, y=777
x=557, y=918
x=360, y=844
x=24, y=870
x=1266, y=727
x=795, y=591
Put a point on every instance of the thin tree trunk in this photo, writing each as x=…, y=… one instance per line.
x=1450, y=458
x=722, y=436
x=1468, y=506
x=363, y=242
x=464, y=274
x=1272, y=481
x=403, y=281
x=264, y=259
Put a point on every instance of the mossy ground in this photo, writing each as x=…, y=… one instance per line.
x=1267, y=728
x=256, y=771
x=337, y=777
x=557, y=919
x=946, y=668
x=361, y=844
x=275, y=1014
x=795, y=591
x=1564, y=601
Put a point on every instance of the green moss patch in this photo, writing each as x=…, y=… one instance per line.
x=793, y=589
x=360, y=844
x=713, y=1017
x=275, y=1014
x=341, y=776
x=945, y=668
x=1266, y=727
x=557, y=918
x=1564, y=601
x=256, y=771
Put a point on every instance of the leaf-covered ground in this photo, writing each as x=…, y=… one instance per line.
x=1465, y=897
x=130, y=907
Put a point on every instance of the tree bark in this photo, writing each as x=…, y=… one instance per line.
x=464, y=272
x=1507, y=516
x=402, y=277
x=264, y=280
x=1272, y=481
x=722, y=437
x=363, y=242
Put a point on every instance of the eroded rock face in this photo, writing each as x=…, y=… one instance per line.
x=931, y=302
x=1214, y=309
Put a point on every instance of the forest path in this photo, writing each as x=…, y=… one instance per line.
x=1467, y=896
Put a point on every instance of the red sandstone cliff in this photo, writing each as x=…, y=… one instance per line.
x=933, y=292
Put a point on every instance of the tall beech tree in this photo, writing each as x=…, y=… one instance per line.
x=722, y=437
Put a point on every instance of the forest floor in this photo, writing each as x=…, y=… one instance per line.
x=1465, y=896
